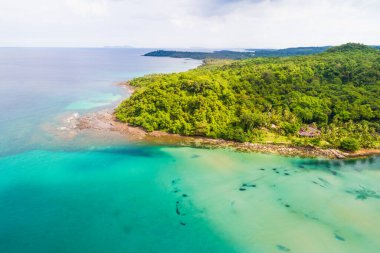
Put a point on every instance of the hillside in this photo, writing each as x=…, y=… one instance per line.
x=331, y=97
x=288, y=51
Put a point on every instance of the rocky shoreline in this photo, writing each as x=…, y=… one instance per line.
x=106, y=121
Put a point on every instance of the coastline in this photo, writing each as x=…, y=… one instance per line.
x=127, y=86
x=106, y=121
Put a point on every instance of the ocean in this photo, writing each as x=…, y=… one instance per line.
x=111, y=195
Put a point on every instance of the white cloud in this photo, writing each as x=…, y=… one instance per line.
x=88, y=7
x=188, y=23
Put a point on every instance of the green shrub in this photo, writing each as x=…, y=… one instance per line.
x=349, y=144
x=290, y=128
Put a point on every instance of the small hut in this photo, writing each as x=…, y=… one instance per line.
x=309, y=131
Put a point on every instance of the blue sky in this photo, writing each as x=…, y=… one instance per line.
x=189, y=23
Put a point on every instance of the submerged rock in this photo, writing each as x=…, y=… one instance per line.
x=364, y=193
x=282, y=248
x=314, y=182
x=177, y=208
x=248, y=185
x=323, y=180
x=338, y=237
x=175, y=181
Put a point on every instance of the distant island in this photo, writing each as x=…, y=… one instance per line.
x=236, y=55
x=223, y=54
x=328, y=100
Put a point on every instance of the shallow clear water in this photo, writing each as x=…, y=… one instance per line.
x=37, y=84
x=120, y=197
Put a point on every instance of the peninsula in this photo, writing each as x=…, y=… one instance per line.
x=327, y=100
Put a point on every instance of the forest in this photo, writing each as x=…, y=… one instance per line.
x=330, y=100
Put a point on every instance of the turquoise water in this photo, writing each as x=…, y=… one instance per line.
x=39, y=84
x=165, y=199
x=108, y=195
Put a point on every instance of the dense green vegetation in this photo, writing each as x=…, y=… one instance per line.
x=350, y=144
x=268, y=99
x=288, y=51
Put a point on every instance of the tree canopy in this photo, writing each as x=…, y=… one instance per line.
x=337, y=92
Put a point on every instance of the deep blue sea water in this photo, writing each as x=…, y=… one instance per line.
x=116, y=196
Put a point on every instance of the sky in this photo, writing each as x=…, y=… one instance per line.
x=188, y=23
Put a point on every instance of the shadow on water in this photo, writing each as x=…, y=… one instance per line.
x=129, y=151
x=333, y=166
x=146, y=152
